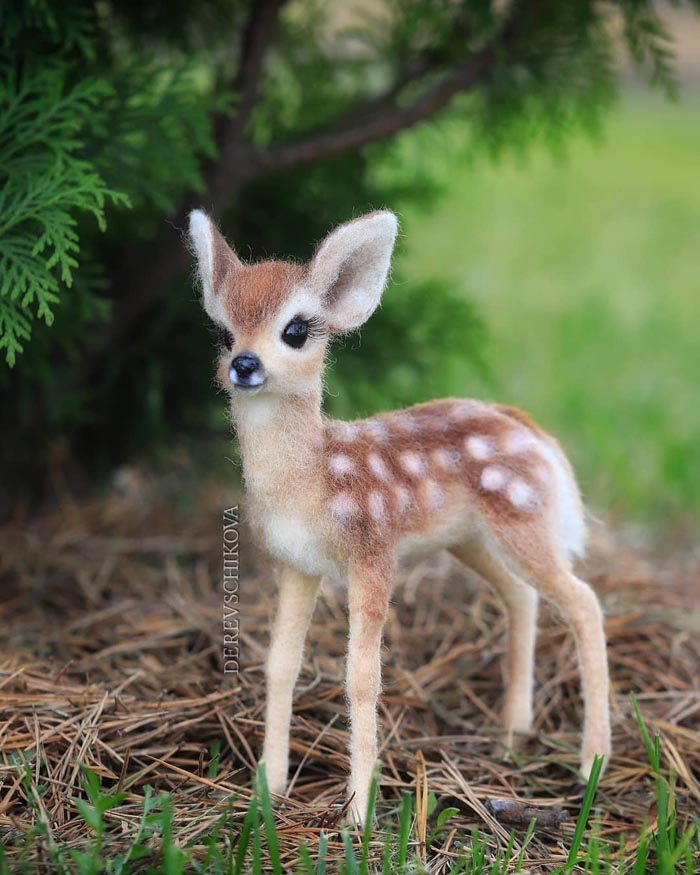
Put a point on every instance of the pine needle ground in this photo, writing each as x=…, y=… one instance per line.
x=111, y=667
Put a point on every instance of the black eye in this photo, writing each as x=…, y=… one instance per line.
x=296, y=333
x=222, y=336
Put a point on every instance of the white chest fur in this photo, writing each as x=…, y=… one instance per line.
x=290, y=539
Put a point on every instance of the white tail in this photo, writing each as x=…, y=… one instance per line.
x=346, y=499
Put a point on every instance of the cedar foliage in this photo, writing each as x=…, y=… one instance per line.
x=283, y=118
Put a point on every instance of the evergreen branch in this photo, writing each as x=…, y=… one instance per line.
x=650, y=44
x=15, y=329
x=43, y=183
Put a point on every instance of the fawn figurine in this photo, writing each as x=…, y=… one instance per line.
x=346, y=500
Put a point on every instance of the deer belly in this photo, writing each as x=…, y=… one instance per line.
x=290, y=539
x=449, y=531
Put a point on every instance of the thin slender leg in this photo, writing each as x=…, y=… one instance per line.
x=297, y=597
x=582, y=610
x=369, y=589
x=520, y=602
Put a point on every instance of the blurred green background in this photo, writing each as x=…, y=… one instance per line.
x=587, y=273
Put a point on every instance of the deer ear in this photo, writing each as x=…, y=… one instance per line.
x=215, y=261
x=350, y=268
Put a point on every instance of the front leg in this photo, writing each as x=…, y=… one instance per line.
x=369, y=590
x=297, y=597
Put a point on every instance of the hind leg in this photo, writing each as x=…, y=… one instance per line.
x=520, y=602
x=532, y=553
x=581, y=608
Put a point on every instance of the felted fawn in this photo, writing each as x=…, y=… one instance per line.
x=346, y=500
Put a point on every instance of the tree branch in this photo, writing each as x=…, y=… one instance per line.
x=257, y=37
x=384, y=116
x=378, y=121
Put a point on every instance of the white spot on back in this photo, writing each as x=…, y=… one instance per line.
x=341, y=464
x=520, y=442
x=494, y=478
x=446, y=459
x=345, y=431
x=343, y=507
x=480, y=447
x=434, y=495
x=521, y=494
x=377, y=429
x=403, y=498
x=412, y=463
x=378, y=467
x=464, y=410
x=542, y=474
x=377, y=507
x=406, y=422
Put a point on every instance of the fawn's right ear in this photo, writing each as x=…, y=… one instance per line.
x=215, y=260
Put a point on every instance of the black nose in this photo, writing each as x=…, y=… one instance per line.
x=246, y=364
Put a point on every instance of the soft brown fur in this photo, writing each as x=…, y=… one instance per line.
x=438, y=429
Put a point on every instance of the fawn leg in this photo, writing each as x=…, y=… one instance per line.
x=297, y=597
x=520, y=602
x=368, y=596
x=582, y=610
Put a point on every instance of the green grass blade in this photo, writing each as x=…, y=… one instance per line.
x=668, y=865
x=269, y=821
x=404, y=830
x=350, y=859
x=640, y=859
x=586, y=805
x=663, y=848
x=386, y=852
x=244, y=838
x=651, y=748
x=257, y=844
x=367, y=831
x=527, y=838
x=215, y=754
x=306, y=863
x=322, y=852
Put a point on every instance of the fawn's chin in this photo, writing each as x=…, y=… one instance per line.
x=242, y=389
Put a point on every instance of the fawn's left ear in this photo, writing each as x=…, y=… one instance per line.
x=350, y=269
x=215, y=260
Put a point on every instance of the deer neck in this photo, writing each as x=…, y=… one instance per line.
x=281, y=441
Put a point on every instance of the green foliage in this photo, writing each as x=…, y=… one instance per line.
x=664, y=845
x=154, y=129
x=76, y=136
x=43, y=182
x=586, y=273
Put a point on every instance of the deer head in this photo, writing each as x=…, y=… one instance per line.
x=275, y=317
